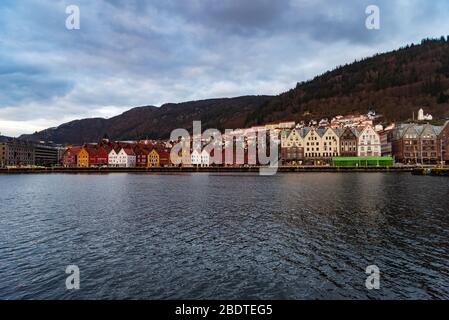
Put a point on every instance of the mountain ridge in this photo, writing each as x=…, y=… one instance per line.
x=410, y=77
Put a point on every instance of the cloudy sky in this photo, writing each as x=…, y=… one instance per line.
x=134, y=52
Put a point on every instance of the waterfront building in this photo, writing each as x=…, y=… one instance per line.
x=292, y=147
x=2, y=154
x=153, y=158
x=164, y=157
x=330, y=146
x=97, y=156
x=443, y=142
x=362, y=162
x=428, y=144
x=46, y=154
x=205, y=158
x=83, y=158
x=348, y=142
x=126, y=158
x=142, y=156
x=17, y=153
x=368, y=144
x=113, y=158
x=412, y=143
x=70, y=157
x=320, y=144
x=312, y=140
x=195, y=158
x=386, y=148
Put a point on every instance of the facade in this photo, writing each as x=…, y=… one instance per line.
x=70, y=157
x=386, y=147
x=412, y=143
x=83, y=158
x=443, y=142
x=205, y=158
x=312, y=141
x=164, y=158
x=195, y=158
x=292, y=147
x=126, y=158
x=17, y=153
x=142, y=157
x=2, y=154
x=348, y=142
x=368, y=143
x=428, y=144
x=113, y=158
x=320, y=145
x=97, y=156
x=330, y=146
x=153, y=158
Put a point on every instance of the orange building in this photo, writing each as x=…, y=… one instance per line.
x=83, y=158
x=153, y=159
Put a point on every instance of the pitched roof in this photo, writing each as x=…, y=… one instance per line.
x=129, y=151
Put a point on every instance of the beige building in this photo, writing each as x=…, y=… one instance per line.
x=330, y=146
x=321, y=143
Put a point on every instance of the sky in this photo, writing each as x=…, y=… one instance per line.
x=133, y=52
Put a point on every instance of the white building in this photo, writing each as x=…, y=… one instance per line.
x=205, y=159
x=202, y=159
x=126, y=158
x=424, y=117
x=195, y=158
x=112, y=158
x=368, y=143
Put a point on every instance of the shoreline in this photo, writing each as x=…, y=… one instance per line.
x=298, y=169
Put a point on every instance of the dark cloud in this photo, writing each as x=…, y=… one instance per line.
x=134, y=52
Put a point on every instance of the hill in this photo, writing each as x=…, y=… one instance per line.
x=153, y=122
x=395, y=84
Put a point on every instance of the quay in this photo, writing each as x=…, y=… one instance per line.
x=281, y=169
x=427, y=171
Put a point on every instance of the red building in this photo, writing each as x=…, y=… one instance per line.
x=164, y=157
x=69, y=158
x=142, y=155
x=98, y=156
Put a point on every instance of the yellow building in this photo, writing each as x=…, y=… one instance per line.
x=83, y=158
x=153, y=159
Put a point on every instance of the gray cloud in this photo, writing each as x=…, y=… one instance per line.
x=134, y=52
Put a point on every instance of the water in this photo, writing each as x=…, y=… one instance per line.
x=224, y=236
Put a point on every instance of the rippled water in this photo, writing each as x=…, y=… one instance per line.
x=224, y=236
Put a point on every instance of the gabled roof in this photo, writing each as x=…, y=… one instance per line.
x=320, y=131
x=129, y=151
x=338, y=131
x=304, y=131
x=74, y=150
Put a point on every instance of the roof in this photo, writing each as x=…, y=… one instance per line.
x=129, y=151
x=320, y=131
x=362, y=158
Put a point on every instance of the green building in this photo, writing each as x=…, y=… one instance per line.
x=362, y=161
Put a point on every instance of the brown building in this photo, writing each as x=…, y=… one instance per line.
x=348, y=142
x=443, y=143
x=2, y=154
x=412, y=143
x=17, y=153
